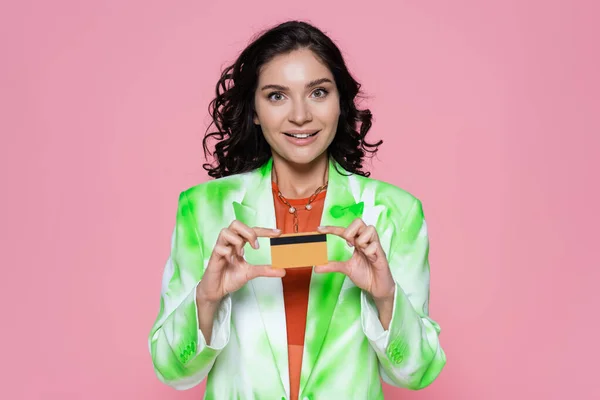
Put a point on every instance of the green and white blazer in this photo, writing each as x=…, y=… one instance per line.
x=347, y=352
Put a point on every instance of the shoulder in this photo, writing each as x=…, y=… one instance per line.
x=215, y=191
x=213, y=187
x=401, y=208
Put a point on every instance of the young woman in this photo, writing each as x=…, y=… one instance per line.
x=289, y=159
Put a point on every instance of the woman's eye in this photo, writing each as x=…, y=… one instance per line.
x=275, y=94
x=323, y=91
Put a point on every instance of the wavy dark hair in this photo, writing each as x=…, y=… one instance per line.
x=240, y=145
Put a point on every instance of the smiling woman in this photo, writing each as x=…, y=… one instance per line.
x=291, y=79
x=299, y=120
x=289, y=149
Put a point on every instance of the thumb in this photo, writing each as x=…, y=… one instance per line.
x=333, y=266
x=256, y=271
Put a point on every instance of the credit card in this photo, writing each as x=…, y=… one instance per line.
x=294, y=250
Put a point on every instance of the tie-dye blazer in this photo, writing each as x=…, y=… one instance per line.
x=346, y=350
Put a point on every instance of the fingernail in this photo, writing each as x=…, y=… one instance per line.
x=277, y=230
x=256, y=243
x=320, y=227
x=349, y=244
x=242, y=252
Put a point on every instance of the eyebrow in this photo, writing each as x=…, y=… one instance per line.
x=308, y=85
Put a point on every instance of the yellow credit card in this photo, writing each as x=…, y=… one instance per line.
x=295, y=250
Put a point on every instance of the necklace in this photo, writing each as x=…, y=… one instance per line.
x=307, y=206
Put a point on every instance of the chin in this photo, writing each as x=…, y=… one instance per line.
x=302, y=159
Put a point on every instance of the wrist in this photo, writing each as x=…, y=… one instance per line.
x=386, y=299
x=204, y=300
x=384, y=304
x=385, y=307
x=387, y=295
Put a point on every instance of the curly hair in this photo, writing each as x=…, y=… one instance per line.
x=240, y=145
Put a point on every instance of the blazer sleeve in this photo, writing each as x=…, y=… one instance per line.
x=409, y=352
x=180, y=354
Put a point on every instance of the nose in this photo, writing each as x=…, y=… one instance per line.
x=300, y=113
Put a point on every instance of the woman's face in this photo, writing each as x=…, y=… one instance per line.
x=297, y=106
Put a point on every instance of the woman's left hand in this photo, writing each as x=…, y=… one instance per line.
x=368, y=267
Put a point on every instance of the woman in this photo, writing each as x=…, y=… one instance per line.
x=289, y=159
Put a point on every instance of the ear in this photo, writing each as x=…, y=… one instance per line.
x=255, y=119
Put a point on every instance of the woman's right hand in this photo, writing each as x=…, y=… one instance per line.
x=227, y=270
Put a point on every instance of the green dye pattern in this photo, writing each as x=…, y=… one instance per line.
x=336, y=349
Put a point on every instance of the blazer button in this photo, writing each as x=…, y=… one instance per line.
x=397, y=357
x=395, y=354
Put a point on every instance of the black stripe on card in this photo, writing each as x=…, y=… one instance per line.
x=298, y=239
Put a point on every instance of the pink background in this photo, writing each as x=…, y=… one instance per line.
x=489, y=115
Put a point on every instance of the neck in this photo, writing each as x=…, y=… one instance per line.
x=296, y=181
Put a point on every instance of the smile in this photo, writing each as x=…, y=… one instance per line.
x=300, y=135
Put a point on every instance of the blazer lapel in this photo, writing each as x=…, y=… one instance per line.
x=258, y=210
x=340, y=209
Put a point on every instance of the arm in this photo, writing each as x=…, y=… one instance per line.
x=409, y=351
x=181, y=355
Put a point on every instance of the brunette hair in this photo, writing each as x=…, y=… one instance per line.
x=240, y=145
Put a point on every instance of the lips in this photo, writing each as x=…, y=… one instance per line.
x=301, y=138
x=300, y=134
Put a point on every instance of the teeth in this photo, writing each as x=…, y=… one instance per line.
x=301, y=135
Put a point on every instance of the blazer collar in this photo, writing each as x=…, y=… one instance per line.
x=257, y=206
x=257, y=209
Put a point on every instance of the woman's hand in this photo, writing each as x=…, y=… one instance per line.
x=227, y=270
x=368, y=267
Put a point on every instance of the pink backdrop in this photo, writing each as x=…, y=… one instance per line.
x=489, y=114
